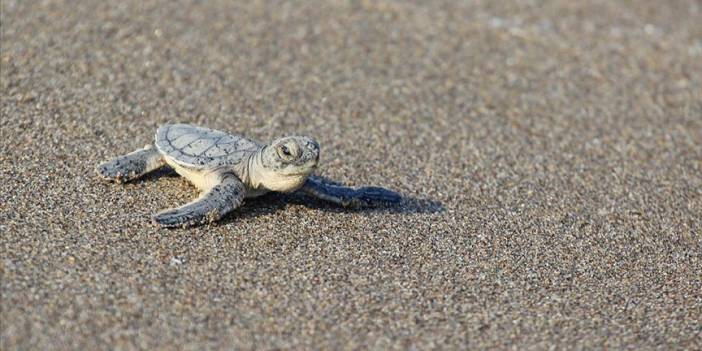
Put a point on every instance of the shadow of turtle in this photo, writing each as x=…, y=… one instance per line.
x=406, y=205
x=273, y=202
x=165, y=171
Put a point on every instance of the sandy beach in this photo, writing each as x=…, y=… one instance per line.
x=549, y=155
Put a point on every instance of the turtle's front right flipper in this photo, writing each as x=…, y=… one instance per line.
x=131, y=166
x=209, y=207
x=369, y=196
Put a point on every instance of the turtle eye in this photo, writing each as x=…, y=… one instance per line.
x=284, y=152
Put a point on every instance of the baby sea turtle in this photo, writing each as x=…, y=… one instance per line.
x=227, y=168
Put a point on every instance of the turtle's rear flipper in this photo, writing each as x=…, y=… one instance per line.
x=209, y=207
x=131, y=166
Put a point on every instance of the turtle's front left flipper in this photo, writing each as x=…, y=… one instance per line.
x=131, y=166
x=209, y=207
x=369, y=196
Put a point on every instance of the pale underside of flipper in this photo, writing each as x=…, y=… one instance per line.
x=211, y=206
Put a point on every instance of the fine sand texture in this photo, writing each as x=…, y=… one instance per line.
x=549, y=155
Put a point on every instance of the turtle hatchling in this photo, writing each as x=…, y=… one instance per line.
x=227, y=168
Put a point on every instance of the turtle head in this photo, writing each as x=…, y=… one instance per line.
x=288, y=161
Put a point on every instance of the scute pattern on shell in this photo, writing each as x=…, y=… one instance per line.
x=202, y=147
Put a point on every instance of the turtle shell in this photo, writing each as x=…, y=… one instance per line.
x=202, y=148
